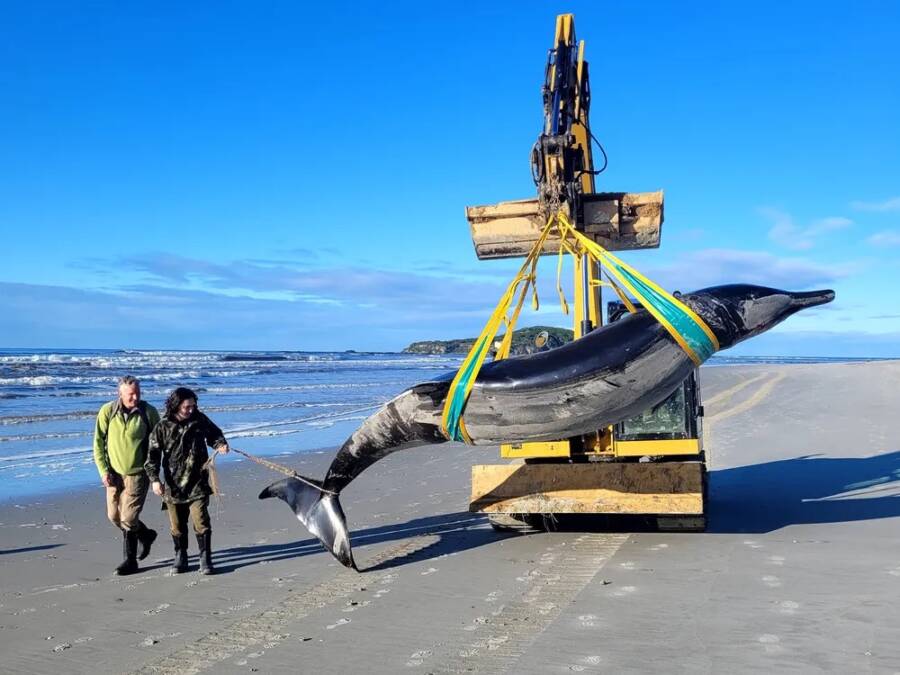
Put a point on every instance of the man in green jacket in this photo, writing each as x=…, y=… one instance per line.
x=121, y=437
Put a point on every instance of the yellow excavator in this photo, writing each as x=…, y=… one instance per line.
x=652, y=465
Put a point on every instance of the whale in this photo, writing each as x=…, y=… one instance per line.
x=608, y=375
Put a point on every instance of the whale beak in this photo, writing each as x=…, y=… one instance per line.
x=810, y=299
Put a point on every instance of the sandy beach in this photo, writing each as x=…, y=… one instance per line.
x=798, y=572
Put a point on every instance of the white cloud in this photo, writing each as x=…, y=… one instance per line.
x=787, y=233
x=885, y=238
x=170, y=300
x=251, y=305
x=829, y=224
x=710, y=267
x=448, y=287
x=892, y=204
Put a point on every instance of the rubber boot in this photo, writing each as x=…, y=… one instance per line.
x=129, y=549
x=146, y=537
x=203, y=541
x=179, y=562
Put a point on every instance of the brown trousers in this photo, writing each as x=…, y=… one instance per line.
x=197, y=511
x=125, y=501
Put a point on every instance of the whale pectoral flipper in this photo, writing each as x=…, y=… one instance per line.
x=320, y=512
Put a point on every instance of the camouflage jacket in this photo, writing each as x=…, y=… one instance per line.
x=180, y=448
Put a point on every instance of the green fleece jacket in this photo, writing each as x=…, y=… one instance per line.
x=120, y=441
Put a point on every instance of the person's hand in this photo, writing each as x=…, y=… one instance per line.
x=223, y=448
x=109, y=479
x=157, y=488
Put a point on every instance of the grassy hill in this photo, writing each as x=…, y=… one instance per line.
x=522, y=342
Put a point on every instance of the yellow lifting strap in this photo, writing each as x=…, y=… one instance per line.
x=689, y=330
x=452, y=423
x=682, y=323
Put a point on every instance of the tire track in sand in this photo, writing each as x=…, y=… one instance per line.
x=501, y=640
x=507, y=633
x=260, y=628
x=758, y=397
x=731, y=391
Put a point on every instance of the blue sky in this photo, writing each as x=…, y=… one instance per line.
x=274, y=176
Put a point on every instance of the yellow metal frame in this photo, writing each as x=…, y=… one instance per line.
x=667, y=489
x=685, y=446
x=544, y=449
x=593, y=291
x=565, y=34
x=603, y=442
x=595, y=487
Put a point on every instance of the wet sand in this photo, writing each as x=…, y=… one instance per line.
x=799, y=571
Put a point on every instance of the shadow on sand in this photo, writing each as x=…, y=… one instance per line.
x=764, y=497
x=454, y=531
x=810, y=489
x=749, y=499
x=29, y=549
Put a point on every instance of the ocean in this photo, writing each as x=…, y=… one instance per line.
x=268, y=403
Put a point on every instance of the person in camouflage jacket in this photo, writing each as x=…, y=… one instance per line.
x=178, y=446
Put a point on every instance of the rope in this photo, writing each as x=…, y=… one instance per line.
x=279, y=468
x=210, y=467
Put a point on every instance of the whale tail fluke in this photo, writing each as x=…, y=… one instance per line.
x=320, y=512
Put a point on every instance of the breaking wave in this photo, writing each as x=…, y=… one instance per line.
x=269, y=402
